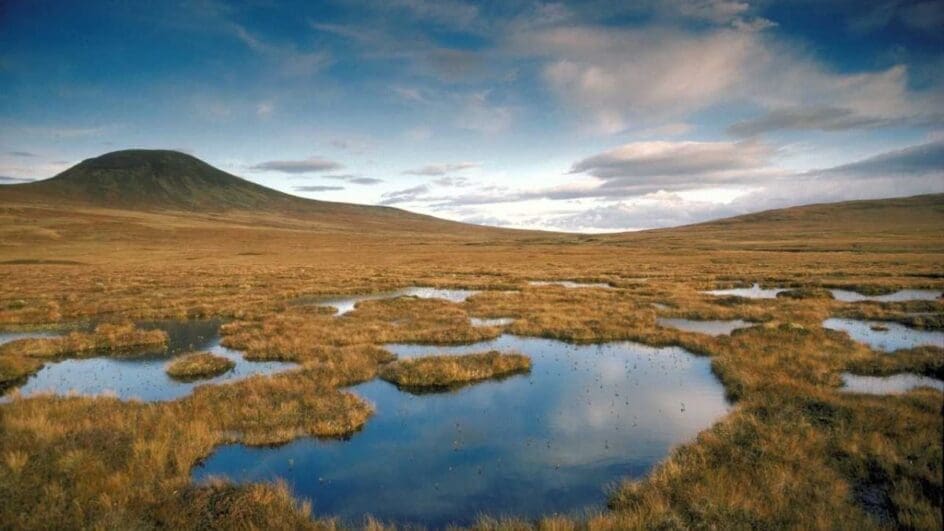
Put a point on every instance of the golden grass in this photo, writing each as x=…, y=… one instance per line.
x=197, y=365
x=450, y=371
x=795, y=452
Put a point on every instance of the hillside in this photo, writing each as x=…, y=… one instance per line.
x=915, y=222
x=165, y=182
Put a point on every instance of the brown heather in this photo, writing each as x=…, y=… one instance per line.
x=795, y=452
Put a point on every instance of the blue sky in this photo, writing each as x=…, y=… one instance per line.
x=584, y=116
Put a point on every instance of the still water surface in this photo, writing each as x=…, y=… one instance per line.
x=142, y=375
x=712, y=328
x=888, y=337
x=888, y=385
x=540, y=443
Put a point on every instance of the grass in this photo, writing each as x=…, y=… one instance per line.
x=22, y=358
x=445, y=371
x=199, y=365
x=794, y=452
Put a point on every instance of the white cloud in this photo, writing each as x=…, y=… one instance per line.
x=650, y=166
x=616, y=79
x=441, y=169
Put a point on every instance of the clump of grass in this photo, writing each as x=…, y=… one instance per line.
x=22, y=358
x=806, y=293
x=199, y=365
x=439, y=372
x=105, y=338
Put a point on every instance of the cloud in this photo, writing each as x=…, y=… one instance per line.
x=21, y=154
x=921, y=160
x=650, y=166
x=405, y=195
x=616, y=79
x=441, y=169
x=452, y=181
x=313, y=164
x=478, y=114
x=291, y=61
x=668, y=73
x=445, y=12
x=13, y=180
x=806, y=118
x=318, y=188
x=351, y=178
x=264, y=108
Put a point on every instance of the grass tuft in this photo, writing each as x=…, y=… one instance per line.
x=199, y=365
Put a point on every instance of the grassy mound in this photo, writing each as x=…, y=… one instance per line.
x=450, y=371
x=199, y=365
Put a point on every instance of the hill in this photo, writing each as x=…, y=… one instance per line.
x=915, y=222
x=163, y=181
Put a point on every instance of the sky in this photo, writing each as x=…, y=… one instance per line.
x=589, y=116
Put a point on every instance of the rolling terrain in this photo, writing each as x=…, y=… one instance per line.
x=152, y=235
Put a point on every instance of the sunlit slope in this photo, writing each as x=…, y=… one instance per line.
x=915, y=223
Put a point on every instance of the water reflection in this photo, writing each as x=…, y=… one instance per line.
x=753, y=292
x=498, y=321
x=6, y=337
x=712, y=328
x=898, y=296
x=346, y=303
x=142, y=376
x=886, y=336
x=888, y=385
x=534, y=444
x=569, y=284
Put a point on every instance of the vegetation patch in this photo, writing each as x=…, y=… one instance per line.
x=444, y=372
x=23, y=357
x=199, y=365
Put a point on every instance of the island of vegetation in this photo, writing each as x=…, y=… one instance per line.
x=443, y=372
x=199, y=365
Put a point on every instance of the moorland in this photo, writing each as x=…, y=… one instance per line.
x=159, y=235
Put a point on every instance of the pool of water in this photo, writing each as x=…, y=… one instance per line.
x=6, y=337
x=753, y=292
x=346, y=303
x=888, y=385
x=143, y=376
x=540, y=443
x=712, y=328
x=569, y=284
x=898, y=296
x=498, y=321
x=895, y=336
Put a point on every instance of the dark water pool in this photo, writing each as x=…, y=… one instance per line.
x=546, y=442
x=141, y=376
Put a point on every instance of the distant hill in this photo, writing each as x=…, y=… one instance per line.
x=155, y=179
x=917, y=222
x=171, y=181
